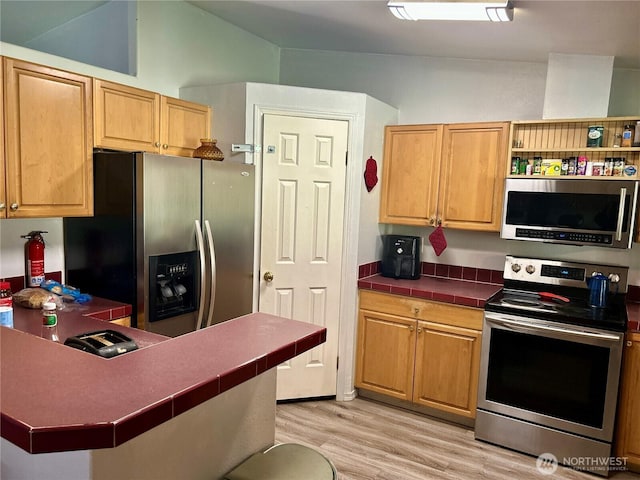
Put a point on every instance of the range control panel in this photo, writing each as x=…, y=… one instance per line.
x=563, y=273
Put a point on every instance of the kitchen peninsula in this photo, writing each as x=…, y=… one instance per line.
x=187, y=407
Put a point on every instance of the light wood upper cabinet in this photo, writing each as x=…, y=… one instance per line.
x=128, y=118
x=182, y=125
x=472, y=175
x=3, y=178
x=628, y=433
x=423, y=352
x=449, y=175
x=48, y=141
x=410, y=174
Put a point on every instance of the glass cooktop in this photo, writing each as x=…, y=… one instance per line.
x=573, y=309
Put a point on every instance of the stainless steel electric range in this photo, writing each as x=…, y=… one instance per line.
x=550, y=363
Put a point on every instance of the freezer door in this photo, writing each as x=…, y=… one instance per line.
x=228, y=207
x=169, y=207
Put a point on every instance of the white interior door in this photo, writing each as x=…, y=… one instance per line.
x=303, y=194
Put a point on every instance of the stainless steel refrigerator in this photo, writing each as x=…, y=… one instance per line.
x=171, y=236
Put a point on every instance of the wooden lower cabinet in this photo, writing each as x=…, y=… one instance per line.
x=423, y=352
x=386, y=354
x=446, y=369
x=628, y=433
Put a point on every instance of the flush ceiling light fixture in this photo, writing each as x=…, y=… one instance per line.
x=496, y=11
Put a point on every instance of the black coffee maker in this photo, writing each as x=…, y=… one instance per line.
x=401, y=256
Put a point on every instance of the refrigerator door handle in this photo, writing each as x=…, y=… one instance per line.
x=212, y=260
x=200, y=242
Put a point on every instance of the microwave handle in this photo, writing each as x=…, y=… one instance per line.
x=623, y=199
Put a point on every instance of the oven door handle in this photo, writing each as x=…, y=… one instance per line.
x=623, y=199
x=526, y=326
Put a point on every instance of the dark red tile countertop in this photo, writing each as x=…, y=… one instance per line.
x=459, y=292
x=633, y=316
x=55, y=398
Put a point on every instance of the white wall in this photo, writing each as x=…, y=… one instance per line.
x=378, y=114
x=441, y=90
x=113, y=24
x=179, y=45
x=426, y=89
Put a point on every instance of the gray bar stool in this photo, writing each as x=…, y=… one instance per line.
x=285, y=461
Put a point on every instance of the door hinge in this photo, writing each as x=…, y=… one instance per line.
x=337, y=363
x=346, y=158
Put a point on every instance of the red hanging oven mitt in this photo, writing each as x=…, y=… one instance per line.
x=437, y=240
x=371, y=174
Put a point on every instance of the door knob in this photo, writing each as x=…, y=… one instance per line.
x=268, y=277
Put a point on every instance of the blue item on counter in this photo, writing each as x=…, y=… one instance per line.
x=6, y=317
x=65, y=291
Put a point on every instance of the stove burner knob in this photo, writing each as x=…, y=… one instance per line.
x=614, y=278
x=530, y=269
x=515, y=267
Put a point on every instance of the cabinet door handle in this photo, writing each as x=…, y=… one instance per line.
x=411, y=328
x=439, y=222
x=416, y=311
x=157, y=144
x=419, y=329
x=14, y=207
x=2, y=206
x=432, y=221
x=629, y=343
x=165, y=146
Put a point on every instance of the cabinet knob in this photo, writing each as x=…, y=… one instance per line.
x=411, y=328
x=2, y=206
x=165, y=146
x=14, y=207
x=439, y=222
x=629, y=343
x=432, y=221
x=419, y=329
x=157, y=144
x=416, y=311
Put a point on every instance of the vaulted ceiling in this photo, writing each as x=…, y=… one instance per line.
x=540, y=27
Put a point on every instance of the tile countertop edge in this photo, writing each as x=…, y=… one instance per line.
x=466, y=293
x=269, y=341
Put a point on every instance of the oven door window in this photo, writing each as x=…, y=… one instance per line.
x=553, y=377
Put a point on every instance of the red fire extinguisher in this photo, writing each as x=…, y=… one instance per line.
x=34, y=258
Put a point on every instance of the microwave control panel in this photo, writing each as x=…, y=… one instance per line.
x=559, y=235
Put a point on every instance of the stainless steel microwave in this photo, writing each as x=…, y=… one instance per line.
x=571, y=211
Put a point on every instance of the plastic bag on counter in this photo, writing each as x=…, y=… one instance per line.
x=67, y=292
x=35, y=297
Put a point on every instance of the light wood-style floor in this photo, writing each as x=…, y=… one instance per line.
x=367, y=440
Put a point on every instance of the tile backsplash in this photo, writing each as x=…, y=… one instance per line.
x=442, y=270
